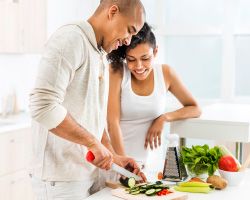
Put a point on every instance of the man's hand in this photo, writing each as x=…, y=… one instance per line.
x=103, y=157
x=129, y=164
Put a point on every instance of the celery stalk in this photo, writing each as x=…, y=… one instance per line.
x=193, y=189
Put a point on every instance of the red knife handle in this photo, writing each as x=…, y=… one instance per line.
x=90, y=156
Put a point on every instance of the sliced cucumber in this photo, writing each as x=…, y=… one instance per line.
x=128, y=182
x=134, y=189
x=158, y=190
x=131, y=182
x=135, y=192
x=158, y=183
x=143, y=190
x=150, y=192
x=149, y=189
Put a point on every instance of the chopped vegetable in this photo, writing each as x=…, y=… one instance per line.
x=157, y=188
x=150, y=192
x=128, y=182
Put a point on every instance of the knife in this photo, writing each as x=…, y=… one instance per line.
x=90, y=157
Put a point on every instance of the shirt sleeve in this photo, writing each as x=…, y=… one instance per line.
x=63, y=54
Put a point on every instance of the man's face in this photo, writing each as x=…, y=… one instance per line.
x=120, y=29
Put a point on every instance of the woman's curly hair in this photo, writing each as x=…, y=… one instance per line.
x=117, y=57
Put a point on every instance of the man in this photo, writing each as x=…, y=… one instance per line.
x=69, y=101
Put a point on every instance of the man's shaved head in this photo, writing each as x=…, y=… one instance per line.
x=116, y=21
x=125, y=6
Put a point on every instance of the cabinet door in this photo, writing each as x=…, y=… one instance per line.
x=5, y=188
x=23, y=26
x=4, y=155
x=11, y=23
x=20, y=187
x=16, y=186
x=15, y=151
x=34, y=26
x=20, y=150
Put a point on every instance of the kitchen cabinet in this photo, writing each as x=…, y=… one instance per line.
x=16, y=186
x=15, y=153
x=23, y=26
x=15, y=149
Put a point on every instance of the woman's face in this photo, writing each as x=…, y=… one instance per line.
x=140, y=60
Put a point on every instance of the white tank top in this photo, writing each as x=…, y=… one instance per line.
x=138, y=113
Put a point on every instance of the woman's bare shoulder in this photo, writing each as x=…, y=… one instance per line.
x=167, y=71
x=115, y=73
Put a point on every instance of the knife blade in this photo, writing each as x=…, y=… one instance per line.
x=90, y=157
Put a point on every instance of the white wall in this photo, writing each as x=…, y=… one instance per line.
x=18, y=71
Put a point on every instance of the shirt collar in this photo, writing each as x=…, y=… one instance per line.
x=89, y=32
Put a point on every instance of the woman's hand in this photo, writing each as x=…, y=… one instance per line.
x=153, y=137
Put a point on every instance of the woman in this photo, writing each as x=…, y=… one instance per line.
x=137, y=97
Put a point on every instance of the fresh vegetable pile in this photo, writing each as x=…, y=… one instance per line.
x=150, y=189
x=201, y=159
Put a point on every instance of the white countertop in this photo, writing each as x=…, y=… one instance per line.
x=15, y=122
x=229, y=122
x=241, y=192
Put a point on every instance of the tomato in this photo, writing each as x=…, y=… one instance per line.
x=158, y=193
x=227, y=163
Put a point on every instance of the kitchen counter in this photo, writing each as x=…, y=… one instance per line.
x=241, y=192
x=226, y=122
x=15, y=122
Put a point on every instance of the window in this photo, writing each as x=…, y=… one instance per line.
x=207, y=43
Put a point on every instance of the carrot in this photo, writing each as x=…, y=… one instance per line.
x=160, y=176
x=196, y=179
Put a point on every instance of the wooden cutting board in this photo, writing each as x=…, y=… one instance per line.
x=121, y=193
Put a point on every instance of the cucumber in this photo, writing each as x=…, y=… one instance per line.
x=133, y=189
x=128, y=182
x=150, y=192
x=135, y=192
x=158, y=183
x=149, y=189
x=158, y=190
x=142, y=190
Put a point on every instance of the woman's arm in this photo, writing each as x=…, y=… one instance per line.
x=190, y=107
x=114, y=104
